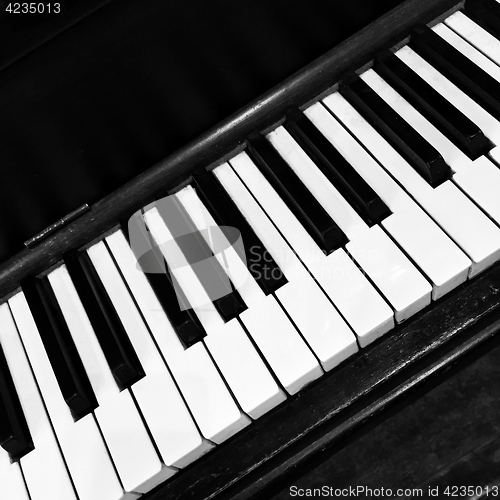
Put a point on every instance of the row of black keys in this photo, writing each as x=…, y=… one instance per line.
x=74, y=384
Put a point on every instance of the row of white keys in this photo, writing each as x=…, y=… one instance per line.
x=406, y=290
x=475, y=35
x=156, y=389
x=459, y=217
x=430, y=248
x=276, y=345
x=264, y=317
x=206, y=395
x=319, y=322
x=82, y=446
x=45, y=460
x=11, y=479
x=128, y=442
x=337, y=274
x=323, y=328
x=479, y=178
x=470, y=108
x=468, y=50
x=246, y=374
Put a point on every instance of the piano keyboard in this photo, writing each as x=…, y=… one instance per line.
x=355, y=214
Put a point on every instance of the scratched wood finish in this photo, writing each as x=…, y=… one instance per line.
x=221, y=140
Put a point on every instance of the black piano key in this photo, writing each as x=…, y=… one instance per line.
x=118, y=351
x=410, y=144
x=337, y=169
x=438, y=110
x=295, y=194
x=459, y=69
x=486, y=13
x=197, y=253
x=61, y=351
x=15, y=436
x=225, y=213
x=183, y=319
x=169, y=294
x=175, y=304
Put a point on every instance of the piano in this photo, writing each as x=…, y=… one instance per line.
x=268, y=289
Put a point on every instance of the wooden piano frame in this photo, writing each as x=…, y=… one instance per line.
x=365, y=388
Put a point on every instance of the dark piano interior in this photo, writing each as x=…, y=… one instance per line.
x=126, y=85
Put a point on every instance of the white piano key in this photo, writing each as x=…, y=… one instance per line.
x=284, y=349
x=392, y=272
x=495, y=155
x=405, y=288
x=487, y=123
x=319, y=322
x=468, y=50
x=45, y=459
x=199, y=382
x=251, y=383
x=459, y=217
x=475, y=35
x=288, y=355
x=429, y=247
x=84, y=451
x=11, y=479
x=336, y=273
x=480, y=179
x=128, y=442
